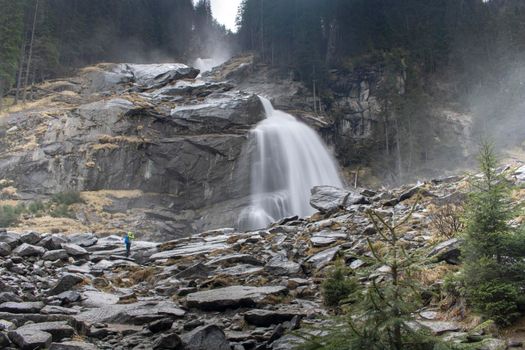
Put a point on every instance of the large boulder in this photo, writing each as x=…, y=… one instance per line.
x=448, y=251
x=65, y=283
x=22, y=307
x=328, y=199
x=232, y=297
x=29, y=339
x=28, y=250
x=280, y=265
x=209, y=337
x=58, y=330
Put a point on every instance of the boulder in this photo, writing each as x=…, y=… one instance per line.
x=448, y=251
x=10, y=238
x=280, y=265
x=198, y=270
x=30, y=339
x=160, y=325
x=232, y=297
x=4, y=341
x=323, y=258
x=53, y=242
x=167, y=341
x=59, y=254
x=84, y=239
x=22, y=307
x=440, y=327
x=5, y=249
x=28, y=250
x=65, y=283
x=30, y=238
x=328, y=199
x=7, y=325
x=74, y=250
x=58, y=330
x=208, y=337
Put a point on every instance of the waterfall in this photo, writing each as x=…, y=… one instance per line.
x=288, y=159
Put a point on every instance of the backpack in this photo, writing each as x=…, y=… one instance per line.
x=131, y=235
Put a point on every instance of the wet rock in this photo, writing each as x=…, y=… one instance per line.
x=448, y=251
x=68, y=297
x=72, y=345
x=323, y=258
x=53, y=242
x=440, y=327
x=30, y=339
x=231, y=297
x=198, y=270
x=5, y=249
x=65, y=283
x=8, y=296
x=28, y=250
x=328, y=199
x=59, y=254
x=280, y=265
x=22, y=308
x=84, y=240
x=167, y=341
x=30, y=238
x=10, y=238
x=7, y=325
x=58, y=330
x=266, y=318
x=189, y=250
x=209, y=337
x=53, y=309
x=235, y=259
x=74, y=250
x=160, y=325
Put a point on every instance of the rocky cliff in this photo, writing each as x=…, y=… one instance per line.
x=157, y=129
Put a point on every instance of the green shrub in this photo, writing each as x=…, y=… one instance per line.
x=338, y=286
x=36, y=207
x=61, y=211
x=67, y=198
x=498, y=300
x=9, y=215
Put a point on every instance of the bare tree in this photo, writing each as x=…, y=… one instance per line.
x=35, y=16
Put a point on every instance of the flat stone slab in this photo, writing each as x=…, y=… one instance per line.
x=28, y=250
x=323, y=258
x=72, y=345
x=30, y=339
x=58, y=330
x=129, y=313
x=232, y=297
x=440, y=327
x=22, y=308
x=266, y=318
x=189, y=250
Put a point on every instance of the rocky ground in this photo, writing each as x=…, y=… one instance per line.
x=220, y=289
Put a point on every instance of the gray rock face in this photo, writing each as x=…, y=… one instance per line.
x=185, y=148
x=208, y=337
x=323, y=258
x=28, y=250
x=231, y=297
x=10, y=238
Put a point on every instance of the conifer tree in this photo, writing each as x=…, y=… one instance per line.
x=493, y=253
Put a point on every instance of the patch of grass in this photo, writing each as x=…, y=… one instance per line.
x=61, y=211
x=9, y=215
x=67, y=198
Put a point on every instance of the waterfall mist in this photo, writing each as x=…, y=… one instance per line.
x=288, y=159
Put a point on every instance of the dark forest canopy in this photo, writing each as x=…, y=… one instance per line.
x=305, y=36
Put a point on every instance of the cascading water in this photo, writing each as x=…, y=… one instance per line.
x=288, y=159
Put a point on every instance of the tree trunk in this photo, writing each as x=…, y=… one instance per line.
x=1, y=94
x=35, y=16
x=332, y=41
x=20, y=68
x=398, y=151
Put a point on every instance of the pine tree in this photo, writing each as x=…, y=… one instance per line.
x=493, y=253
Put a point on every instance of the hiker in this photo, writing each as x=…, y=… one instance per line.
x=127, y=242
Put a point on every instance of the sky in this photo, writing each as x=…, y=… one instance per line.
x=225, y=12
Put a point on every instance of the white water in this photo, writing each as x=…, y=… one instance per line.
x=289, y=159
x=207, y=64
